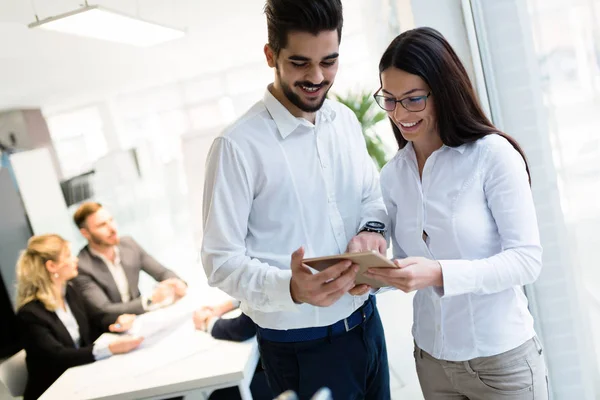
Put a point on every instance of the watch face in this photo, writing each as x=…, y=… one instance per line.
x=375, y=225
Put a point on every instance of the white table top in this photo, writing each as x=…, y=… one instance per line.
x=169, y=361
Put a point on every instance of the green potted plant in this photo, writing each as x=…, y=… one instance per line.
x=368, y=114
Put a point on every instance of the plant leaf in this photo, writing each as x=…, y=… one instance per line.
x=368, y=115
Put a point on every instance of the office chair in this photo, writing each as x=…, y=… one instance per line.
x=13, y=374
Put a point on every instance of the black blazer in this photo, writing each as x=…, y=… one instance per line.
x=49, y=347
x=235, y=329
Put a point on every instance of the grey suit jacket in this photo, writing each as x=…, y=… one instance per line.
x=98, y=287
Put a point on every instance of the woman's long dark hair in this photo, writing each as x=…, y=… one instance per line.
x=426, y=53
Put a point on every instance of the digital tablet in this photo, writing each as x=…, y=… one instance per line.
x=369, y=259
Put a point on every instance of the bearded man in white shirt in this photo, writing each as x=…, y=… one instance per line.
x=292, y=178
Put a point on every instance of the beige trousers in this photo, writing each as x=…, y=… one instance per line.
x=517, y=374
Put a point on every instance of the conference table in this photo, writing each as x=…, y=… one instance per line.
x=174, y=360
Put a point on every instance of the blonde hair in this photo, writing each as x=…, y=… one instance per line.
x=33, y=279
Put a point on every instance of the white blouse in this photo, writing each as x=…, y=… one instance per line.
x=66, y=316
x=474, y=204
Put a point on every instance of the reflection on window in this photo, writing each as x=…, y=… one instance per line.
x=567, y=39
x=78, y=139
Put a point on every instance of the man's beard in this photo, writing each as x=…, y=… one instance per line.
x=99, y=241
x=297, y=101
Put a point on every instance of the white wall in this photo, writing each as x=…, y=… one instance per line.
x=30, y=131
x=41, y=194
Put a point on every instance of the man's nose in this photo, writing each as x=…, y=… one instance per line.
x=315, y=75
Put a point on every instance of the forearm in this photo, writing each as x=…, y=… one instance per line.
x=226, y=307
x=65, y=357
x=104, y=320
x=155, y=269
x=372, y=204
x=373, y=210
x=261, y=286
x=236, y=329
x=116, y=309
x=513, y=267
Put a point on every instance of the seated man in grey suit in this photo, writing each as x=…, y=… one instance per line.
x=109, y=267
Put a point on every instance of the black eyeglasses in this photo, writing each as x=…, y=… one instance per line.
x=412, y=104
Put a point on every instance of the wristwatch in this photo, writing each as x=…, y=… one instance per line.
x=374, y=226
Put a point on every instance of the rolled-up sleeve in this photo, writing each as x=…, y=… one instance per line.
x=510, y=201
x=228, y=197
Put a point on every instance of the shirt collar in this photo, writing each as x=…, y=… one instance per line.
x=460, y=149
x=106, y=260
x=408, y=149
x=286, y=122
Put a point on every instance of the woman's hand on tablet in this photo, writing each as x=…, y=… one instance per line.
x=413, y=273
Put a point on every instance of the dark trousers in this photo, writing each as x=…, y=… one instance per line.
x=352, y=365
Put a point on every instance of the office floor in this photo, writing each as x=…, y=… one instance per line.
x=395, y=308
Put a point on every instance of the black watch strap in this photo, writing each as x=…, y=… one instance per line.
x=373, y=226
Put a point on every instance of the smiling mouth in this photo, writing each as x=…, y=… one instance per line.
x=410, y=125
x=311, y=89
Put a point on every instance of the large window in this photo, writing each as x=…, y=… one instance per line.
x=78, y=138
x=567, y=45
x=541, y=64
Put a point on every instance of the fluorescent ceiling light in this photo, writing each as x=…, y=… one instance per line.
x=101, y=23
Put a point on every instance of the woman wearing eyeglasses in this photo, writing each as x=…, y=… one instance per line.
x=464, y=228
x=58, y=331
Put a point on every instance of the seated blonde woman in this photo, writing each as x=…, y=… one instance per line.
x=58, y=330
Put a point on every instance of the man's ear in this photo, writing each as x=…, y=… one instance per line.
x=270, y=55
x=85, y=233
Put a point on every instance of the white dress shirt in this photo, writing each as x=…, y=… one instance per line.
x=67, y=318
x=117, y=272
x=274, y=183
x=475, y=205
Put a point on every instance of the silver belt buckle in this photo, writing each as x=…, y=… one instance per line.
x=346, y=324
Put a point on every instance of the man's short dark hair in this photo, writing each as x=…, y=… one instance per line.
x=313, y=16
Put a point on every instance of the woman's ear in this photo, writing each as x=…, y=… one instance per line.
x=51, y=266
